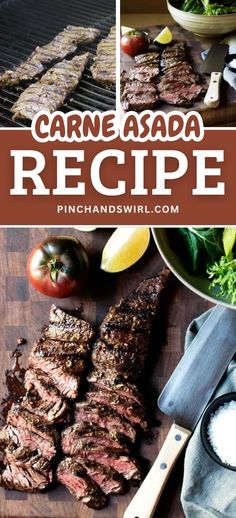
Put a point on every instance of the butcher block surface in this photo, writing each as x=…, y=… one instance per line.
x=226, y=112
x=23, y=313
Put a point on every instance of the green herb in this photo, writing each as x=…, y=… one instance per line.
x=200, y=246
x=229, y=238
x=223, y=274
x=207, y=7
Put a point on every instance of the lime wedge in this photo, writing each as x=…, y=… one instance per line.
x=164, y=37
x=124, y=248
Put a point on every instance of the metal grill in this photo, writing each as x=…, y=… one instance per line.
x=24, y=24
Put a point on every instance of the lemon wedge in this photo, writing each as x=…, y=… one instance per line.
x=164, y=37
x=124, y=248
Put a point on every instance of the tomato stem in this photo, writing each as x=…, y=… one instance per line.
x=54, y=267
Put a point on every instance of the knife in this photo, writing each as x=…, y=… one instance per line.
x=214, y=65
x=184, y=398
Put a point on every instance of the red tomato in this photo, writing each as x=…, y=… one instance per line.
x=134, y=43
x=57, y=266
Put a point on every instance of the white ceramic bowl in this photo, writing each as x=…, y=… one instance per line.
x=205, y=26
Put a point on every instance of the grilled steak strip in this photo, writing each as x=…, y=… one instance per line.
x=125, y=352
x=83, y=434
x=117, y=385
x=104, y=66
x=74, y=476
x=50, y=92
x=41, y=394
x=64, y=43
x=105, y=417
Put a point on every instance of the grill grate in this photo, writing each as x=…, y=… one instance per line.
x=28, y=23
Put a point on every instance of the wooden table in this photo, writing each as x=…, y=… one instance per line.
x=24, y=311
x=225, y=114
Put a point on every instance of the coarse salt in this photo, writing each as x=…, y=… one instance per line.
x=222, y=432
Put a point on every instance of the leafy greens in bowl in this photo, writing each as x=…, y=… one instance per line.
x=204, y=259
x=206, y=7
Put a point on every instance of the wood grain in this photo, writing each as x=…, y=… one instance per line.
x=226, y=112
x=23, y=312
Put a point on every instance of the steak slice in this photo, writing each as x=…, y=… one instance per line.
x=67, y=328
x=149, y=57
x=28, y=439
x=45, y=437
x=118, y=460
x=50, y=411
x=39, y=383
x=133, y=412
x=63, y=375
x=139, y=96
x=50, y=92
x=107, y=478
x=181, y=94
x=145, y=299
x=74, y=476
x=64, y=43
x=84, y=435
x=105, y=417
x=116, y=384
x=24, y=479
x=26, y=458
x=144, y=72
x=45, y=347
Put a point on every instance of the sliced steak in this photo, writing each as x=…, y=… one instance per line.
x=45, y=347
x=133, y=322
x=107, y=478
x=181, y=94
x=84, y=435
x=66, y=327
x=118, y=460
x=105, y=417
x=44, y=395
x=139, y=96
x=24, y=479
x=63, y=375
x=133, y=412
x=147, y=72
x=74, y=476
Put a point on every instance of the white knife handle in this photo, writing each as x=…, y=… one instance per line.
x=148, y=495
x=212, y=98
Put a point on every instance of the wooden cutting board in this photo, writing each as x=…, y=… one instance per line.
x=226, y=112
x=23, y=312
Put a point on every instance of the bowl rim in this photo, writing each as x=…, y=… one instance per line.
x=213, y=300
x=213, y=405
x=199, y=16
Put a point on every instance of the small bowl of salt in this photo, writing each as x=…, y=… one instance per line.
x=218, y=430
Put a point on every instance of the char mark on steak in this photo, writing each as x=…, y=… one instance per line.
x=104, y=66
x=22, y=479
x=63, y=44
x=85, y=435
x=105, y=417
x=74, y=476
x=140, y=91
x=43, y=396
x=117, y=385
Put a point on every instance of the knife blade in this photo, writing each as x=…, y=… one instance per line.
x=184, y=398
x=214, y=65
